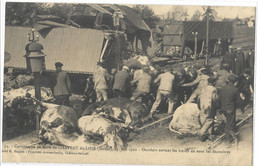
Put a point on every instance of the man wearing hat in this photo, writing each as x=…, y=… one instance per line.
x=229, y=102
x=143, y=82
x=165, y=81
x=239, y=62
x=228, y=57
x=101, y=78
x=61, y=90
x=122, y=85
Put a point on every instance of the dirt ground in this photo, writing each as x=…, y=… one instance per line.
x=162, y=138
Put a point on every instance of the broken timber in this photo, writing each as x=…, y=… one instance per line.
x=237, y=125
x=155, y=124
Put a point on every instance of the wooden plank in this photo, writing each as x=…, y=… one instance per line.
x=155, y=124
x=237, y=125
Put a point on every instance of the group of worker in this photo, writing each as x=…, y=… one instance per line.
x=183, y=86
x=239, y=60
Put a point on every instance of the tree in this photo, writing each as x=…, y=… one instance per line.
x=179, y=13
x=196, y=16
x=147, y=15
x=22, y=14
x=213, y=15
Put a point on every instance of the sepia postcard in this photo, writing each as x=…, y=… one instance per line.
x=150, y=84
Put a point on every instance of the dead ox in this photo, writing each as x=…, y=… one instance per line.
x=109, y=120
x=185, y=120
x=113, y=120
x=58, y=123
x=189, y=118
x=112, y=133
x=120, y=109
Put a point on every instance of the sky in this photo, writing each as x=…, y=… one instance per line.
x=222, y=12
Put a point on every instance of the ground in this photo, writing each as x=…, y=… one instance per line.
x=162, y=138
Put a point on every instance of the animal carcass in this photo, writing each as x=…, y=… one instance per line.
x=113, y=133
x=22, y=92
x=120, y=109
x=185, y=120
x=19, y=110
x=189, y=118
x=58, y=123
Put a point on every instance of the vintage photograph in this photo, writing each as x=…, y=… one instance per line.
x=128, y=84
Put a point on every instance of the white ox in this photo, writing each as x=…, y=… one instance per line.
x=188, y=119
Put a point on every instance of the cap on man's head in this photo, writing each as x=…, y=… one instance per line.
x=232, y=78
x=125, y=68
x=225, y=66
x=230, y=46
x=58, y=64
x=168, y=70
x=238, y=48
x=146, y=69
x=211, y=80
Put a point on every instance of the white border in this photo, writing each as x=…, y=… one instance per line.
x=253, y=3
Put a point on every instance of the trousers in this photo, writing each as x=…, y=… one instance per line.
x=101, y=94
x=159, y=96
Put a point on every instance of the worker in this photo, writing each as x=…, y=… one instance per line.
x=101, y=78
x=62, y=89
x=228, y=58
x=121, y=87
x=143, y=82
x=239, y=62
x=89, y=93
x=201, y=81
x=208, y=104
x=222, y=76
x=251, y=61
x=218, y=48
x=165, y=81
x=113, y=72
x=229, y=102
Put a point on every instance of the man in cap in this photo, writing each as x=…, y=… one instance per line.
x=229, y=102
x=239, y=62
x=101, y=78
x=165, y=81
x=228, y=57
x=251, y=61
x=61, y=89
x=143, y=81
x=122, y=85
x=90, y=94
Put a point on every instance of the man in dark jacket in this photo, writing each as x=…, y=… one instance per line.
x=239, y=62
x=229, y=102
x=62, y=87
x=121, y=85
x=228, y=57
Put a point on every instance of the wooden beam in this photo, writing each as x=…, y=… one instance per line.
x=237, y=125
x=155, y=124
